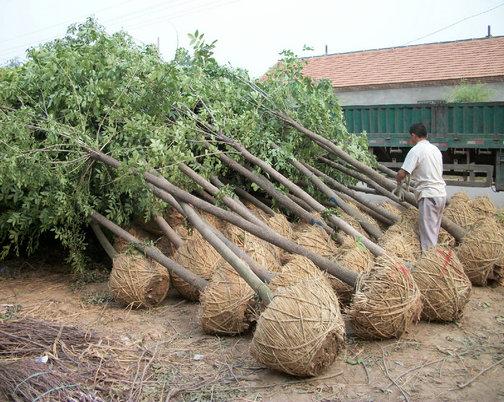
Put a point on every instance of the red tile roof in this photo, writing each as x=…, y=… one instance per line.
x=426, y=64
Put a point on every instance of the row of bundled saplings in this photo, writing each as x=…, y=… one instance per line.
x=236, y=193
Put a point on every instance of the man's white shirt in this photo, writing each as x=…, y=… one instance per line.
x=424, y=163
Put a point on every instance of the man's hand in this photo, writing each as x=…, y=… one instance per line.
x=400, y=191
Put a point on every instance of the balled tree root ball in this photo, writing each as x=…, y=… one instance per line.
x=402, y=243
x=138, y=281
x=460, y=211
x=444, y=285
x=264, y=253
x=315, y=239
x=228, y=304
x=199, y=257
x=121, y=245
x=296, y=270
x=355, y=257
x=281, y=225
x=301, y=332
x=386, y=301
x=480, y=252
x=483, y=206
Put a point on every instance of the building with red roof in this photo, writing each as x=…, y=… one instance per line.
x=412, y=74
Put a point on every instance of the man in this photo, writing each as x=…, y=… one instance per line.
x=424, y=164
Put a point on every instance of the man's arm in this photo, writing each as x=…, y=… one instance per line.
x=401, y=175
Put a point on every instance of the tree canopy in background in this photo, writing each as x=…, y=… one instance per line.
x=107, y=92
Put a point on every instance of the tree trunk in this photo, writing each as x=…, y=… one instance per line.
x=210, y=188
x=171, y=234
x=163, y=189
x=371, y=229
x=102, y=239
x=383, y=215
x=240, y=266
x=151, y=252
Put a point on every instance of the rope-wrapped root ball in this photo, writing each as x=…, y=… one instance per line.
x=444, y=285
x=403, y=244
x=121, y=245
x=481, y=251
x=460, y=211
x=227, y=303
x=280, y=224
x=301, y=332
x=199, y=257
x=483, y=206
x=296, y=270
x=386, y=301
x=264, y=253
x=315, y=239
x=138, y=281
x=355, y=257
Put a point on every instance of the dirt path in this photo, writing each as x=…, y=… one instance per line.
x=462, y=361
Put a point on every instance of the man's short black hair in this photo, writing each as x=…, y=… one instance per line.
x=418, y=129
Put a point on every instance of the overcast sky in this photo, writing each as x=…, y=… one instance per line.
x=250, y=34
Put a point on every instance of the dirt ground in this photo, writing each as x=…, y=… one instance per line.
x=460, y=361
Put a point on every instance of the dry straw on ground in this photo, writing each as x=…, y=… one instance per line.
x=227, y=303
x=199, y=257
x=481, y=251
x=301, y=332
x=138, y=281
x=80, y=365
x=443, y=283
x=386, y=301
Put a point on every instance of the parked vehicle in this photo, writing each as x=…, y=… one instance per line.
x=470, y=136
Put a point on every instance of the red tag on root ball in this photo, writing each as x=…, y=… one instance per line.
x=447, y=257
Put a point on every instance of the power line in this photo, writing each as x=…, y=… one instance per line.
x=455, y=23
x=64, y=23
x=118, y=21
x=179, y=12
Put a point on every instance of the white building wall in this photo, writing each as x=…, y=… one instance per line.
x=409, y=95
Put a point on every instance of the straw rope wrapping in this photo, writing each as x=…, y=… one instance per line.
x=199, y=257
x=122, y=245
x=262, y=252
x=355, y=257
x=460, y=211
x=481, y=251
x=301, y=332
x=315, y=239
x=483, y=206
x=386, y=301
x=392, y=208
x=444, y=286
x=227, y=303
x=297, y=269
x=138, y=281
x=280, y=224
x=499, y=217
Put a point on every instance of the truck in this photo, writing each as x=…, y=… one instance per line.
x=469, y=135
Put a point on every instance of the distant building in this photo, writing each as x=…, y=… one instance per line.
x=412, y=74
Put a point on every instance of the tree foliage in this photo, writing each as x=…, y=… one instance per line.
x=466, y=93
x=107, y=92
